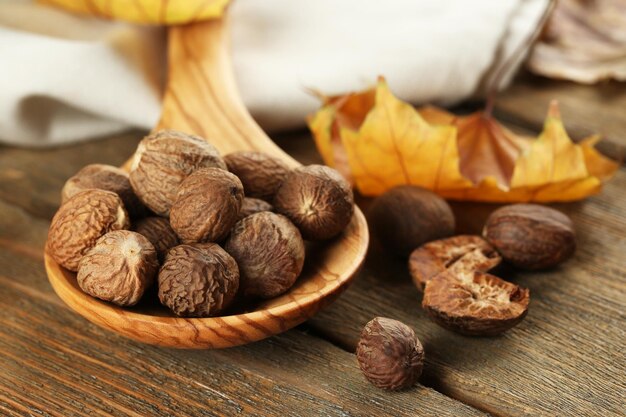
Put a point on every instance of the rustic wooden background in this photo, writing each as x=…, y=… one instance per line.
x=566, y=358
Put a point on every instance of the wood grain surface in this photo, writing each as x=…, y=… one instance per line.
x=565, y=359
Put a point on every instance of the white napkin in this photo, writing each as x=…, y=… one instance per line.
x=66, y=78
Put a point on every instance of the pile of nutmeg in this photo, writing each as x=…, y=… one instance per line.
x=207, y=229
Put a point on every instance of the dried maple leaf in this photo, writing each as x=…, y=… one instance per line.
x=380, y=142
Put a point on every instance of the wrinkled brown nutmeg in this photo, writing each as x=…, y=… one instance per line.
x=458, y=253
x=260, y=174
x=389, y=354
x=80, y=222
x=161, y=163
x=406, y=217
x=159, y=232
x=270, y=253
x=108, y=178
x=317, y=199
x=207, y=205
x=474, y=303
x=198, y=280
x=253, y=205
x=119, y=268
x=531, y=236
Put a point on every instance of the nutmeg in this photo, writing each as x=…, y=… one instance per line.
x=207, y=205
x=531, y=236
x=389, y=354
x=269, y=251
x=161, y=163
x=80, y=222
x=159, y=232
x=108, y=178
x=406, y=217
x=253, y=205
x=317, y=199
x=119, y=268
x=260, y=174
x=198, y=280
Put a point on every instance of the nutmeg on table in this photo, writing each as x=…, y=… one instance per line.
x=185, y=182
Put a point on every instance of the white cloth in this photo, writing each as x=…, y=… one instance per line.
x=65, y=77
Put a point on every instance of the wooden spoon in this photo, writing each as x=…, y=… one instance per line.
x=202, y=98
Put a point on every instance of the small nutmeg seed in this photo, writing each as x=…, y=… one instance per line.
x=253, y=205
x=161, y=163
x=198, y=280
x=261, y=174
x=531, y=236
x=207, y=205
x=406, y=217
x=458, y=253
x=389, y=354
x=119, y=268
x=317, y=199
x=80, y=222
x=269, y=251
x=108, y=178
x=159, y=232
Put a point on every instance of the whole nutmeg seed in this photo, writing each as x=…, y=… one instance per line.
x=159, y=232
x=253, y=205
x=80, y=222
x=207, y=205
x=531, y=236
x=119, y=268
x=474, y=303
x=198, y=280
x=270, y=253
x=389, y=354
x=317, y=199
x=108, y=178
x=161, y=163
x=458, y=253
x=406, y=217
x=260, y=174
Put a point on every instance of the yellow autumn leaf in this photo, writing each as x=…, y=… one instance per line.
x=379, y=142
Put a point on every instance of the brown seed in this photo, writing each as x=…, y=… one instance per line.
x=80, y=222
x=161, y=163
x=406, y=217
x=531, y=236
x=159, y=232
x=207, y=205
x=119, y=268
x=270, y=253
x=260, y=174
x=198, y=280
x=253, y=205
x=465, y=252
x=474, y=303
x=317, y=199
x=389, y=354
x=105, y=177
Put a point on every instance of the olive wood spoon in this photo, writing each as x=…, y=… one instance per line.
x=202, y=98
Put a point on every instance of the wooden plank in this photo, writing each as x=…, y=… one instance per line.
x=56, y=363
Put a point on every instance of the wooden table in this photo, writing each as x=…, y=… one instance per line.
x=566, y=358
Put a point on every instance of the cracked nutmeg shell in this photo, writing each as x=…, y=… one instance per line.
x=270, y=253
x=261, y=174
x=119, y=268
x=109, y=178
x=207, y=205
x=161, y=163
x=389, y=354
x=253, y=205
x=464, y=252
x=531, y=236
x=317, y=199
x=474, y=303
x=407, y=216
x=80, y=222
x=159, y=232
x=198, y=280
